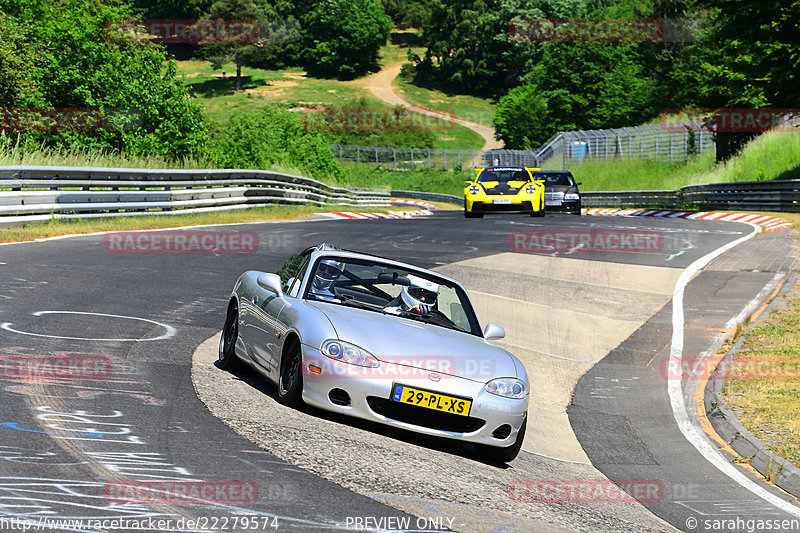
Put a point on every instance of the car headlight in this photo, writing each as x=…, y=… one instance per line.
x=349, y=353
x=572, y=196
x=474, y=189
x=530, y=189
x=506, y=387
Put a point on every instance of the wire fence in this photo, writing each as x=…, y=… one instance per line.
x=675, y=143
x=408, y=158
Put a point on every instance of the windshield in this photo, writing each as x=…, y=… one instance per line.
x=555, y=178
x=505, y=174
x=384, y=288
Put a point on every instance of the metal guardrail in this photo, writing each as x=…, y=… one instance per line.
x=33, y=193
x=429, y=196
x=777, y=195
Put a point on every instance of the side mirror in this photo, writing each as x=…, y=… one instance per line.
x=493, y=331
x=467, y=181
x=270, y=282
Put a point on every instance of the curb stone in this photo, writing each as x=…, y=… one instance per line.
x=724, y=421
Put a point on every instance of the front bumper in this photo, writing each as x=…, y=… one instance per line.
x=486, y=206
x=564, y=207
x=492, y=420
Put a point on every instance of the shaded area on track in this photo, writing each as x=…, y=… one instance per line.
x=626, y=425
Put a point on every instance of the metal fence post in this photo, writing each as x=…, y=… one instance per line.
x=413, y=165
x=445, y=159
x=641, y=141
x=429, y=158
x=358, y=155
x=394, y=158
x=686, y=145
x=564, y=149
x=671, y=146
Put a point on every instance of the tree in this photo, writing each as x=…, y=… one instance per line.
x=79, y=64
x=346, y=36
x=16, y=64
x=520, y=119
x=409, y=13
x=255, y=49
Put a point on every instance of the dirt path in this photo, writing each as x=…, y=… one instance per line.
x=380, y=84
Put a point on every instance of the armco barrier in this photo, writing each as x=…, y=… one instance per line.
x=32, y=193
x=429, y=196
x=775, y=195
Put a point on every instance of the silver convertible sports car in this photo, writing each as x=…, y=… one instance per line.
x=379, y=340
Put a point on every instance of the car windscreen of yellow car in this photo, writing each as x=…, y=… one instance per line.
x=515, y=178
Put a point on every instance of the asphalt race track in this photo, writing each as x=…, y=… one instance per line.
x=128, y=413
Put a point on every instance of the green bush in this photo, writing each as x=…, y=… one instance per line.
x=273, y=135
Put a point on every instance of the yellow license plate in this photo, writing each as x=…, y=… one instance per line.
x=432, y=400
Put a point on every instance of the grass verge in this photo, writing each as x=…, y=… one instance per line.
x=770, y=407
x=277, y=213
x=465, y=107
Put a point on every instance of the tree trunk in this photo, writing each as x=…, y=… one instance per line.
x=238, y=77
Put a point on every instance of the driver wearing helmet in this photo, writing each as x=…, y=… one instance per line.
x=328, y=272
x=418, y=297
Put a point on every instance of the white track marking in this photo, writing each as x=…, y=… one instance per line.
x=692, y=432
x=170, y=331
x=756, y=302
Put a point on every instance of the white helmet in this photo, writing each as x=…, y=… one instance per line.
x=328, y=271
x=420, y=296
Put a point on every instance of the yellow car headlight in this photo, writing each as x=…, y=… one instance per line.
x=530, y=189
x=474, y=189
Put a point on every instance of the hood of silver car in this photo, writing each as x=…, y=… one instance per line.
x=398, y=340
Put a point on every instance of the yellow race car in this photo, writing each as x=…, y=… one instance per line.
x=504, y=189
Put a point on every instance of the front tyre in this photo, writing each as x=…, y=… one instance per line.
x=507, y=454
x=290, y=384
x=227, y=341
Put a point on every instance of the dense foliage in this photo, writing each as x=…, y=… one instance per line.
x=273, y=135
x=60, y=55
x=716, y=53
x=347, y=35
